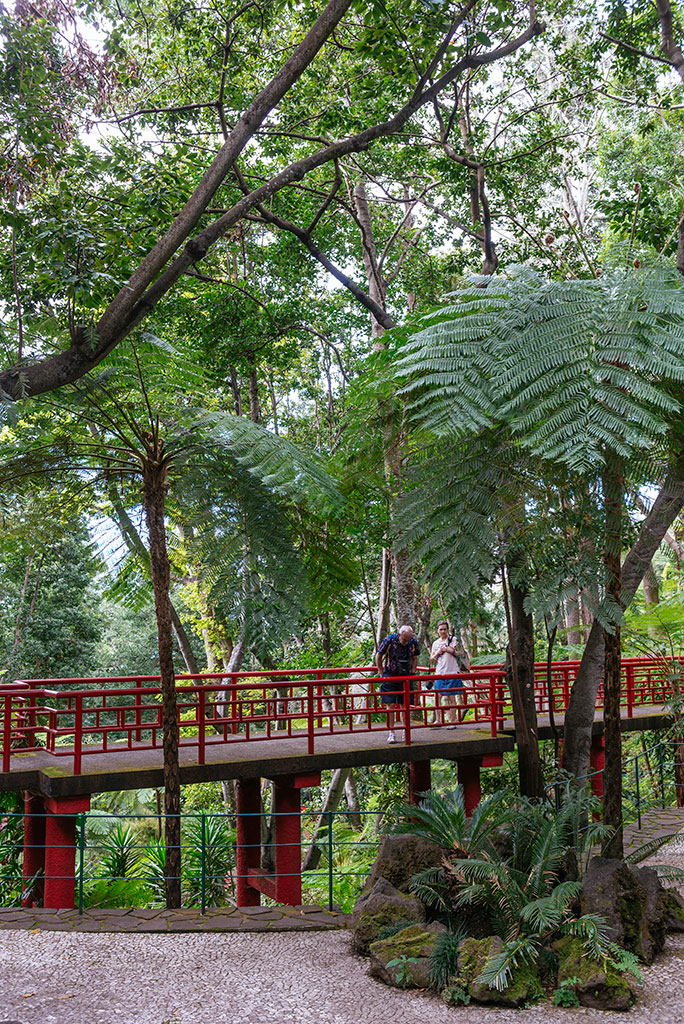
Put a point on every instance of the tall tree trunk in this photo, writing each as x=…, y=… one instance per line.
x=135, y=545
x=520, y=678
x=579, y=717
x=613, y=491
x=154, y=499
x=587, y=616
x=572, y=621
x=330, y=804
x=324, y=627
x=385, y=600
x=352, y=798
x=407, y=591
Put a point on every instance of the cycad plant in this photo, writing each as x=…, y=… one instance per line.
x=141, y=420
x=518, y=866
x=583, y=374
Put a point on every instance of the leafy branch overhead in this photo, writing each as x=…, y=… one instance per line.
x=573, y=368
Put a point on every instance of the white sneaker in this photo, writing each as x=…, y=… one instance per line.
x=400, y=738
x=391, y=738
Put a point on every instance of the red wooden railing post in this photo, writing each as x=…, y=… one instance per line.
x=78, y=734
x=310, y=715
x=138, y=711
x=201, y=723
x=318, y=677
x=566, y=688
x=407, y=711
x=31, y=718
x=233, y=704
x=493, y=710
x=629, y=678
x=7, y=734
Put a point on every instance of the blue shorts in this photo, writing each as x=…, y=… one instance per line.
x=392, y=690
x=449, y=684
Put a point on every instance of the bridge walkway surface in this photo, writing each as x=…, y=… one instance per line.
x=65, y=740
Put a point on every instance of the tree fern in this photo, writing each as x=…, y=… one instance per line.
x=574, y=367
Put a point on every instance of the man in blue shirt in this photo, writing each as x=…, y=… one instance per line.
x=397, y=656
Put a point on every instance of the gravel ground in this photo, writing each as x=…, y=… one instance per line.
x=297, y=978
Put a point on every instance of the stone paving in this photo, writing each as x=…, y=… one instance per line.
x=71, y=978
x=53, y=972
x=216, y=919
x=656, y=823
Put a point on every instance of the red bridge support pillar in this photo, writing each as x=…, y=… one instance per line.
x=469, y=778
x=34, y=847
x=597, y=762
x=248, y=847
x=60, y=849
x=419, y=780
x=288, y=835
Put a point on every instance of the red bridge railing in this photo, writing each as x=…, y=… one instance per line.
x=79, y=717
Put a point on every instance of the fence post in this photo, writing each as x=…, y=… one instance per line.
x=204, y=862
x=78, y=734
x=7, y=734
x=310, y=714
x=407, y=711
x=330, y=860
x=629, y=674
x=662, y=774
x=319, y=694
x=81, y=861
x=138, y=711
x=492, y=704
x=202, y=724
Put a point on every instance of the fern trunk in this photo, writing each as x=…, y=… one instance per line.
x=520, y=678
x=154, y=497
x=579, y=718
x=613, y=492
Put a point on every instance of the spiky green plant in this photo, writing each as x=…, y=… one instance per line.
x=513, y=872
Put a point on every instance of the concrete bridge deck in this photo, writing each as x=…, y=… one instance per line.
x=43, y=772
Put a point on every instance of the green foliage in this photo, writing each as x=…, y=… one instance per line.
x=208, y=846
x=456, y=995
x=624, y=961
x=119, y=852
x=565, y=364
x=565, y=994
x=403, y=968
x=517, y=882
x=444, y=959
x=11, y=850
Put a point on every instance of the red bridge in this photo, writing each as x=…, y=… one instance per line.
x=65, y=739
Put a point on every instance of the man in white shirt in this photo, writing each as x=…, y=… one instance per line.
x=447, y=658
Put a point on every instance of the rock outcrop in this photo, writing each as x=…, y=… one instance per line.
x=400, y=857
x=379, y=908
x=631, y=900
x=403, y=960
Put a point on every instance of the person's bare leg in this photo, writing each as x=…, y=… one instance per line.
x=438, y=718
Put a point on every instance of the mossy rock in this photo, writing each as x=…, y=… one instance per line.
x=631, y=902
x=674, y=910
x=414, y=946
x=474, y=955
x=375, y=910
x=402, y=856
x=600, y=985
